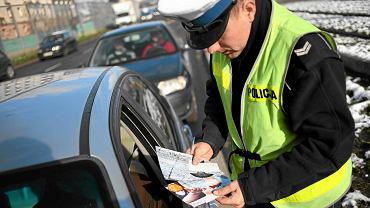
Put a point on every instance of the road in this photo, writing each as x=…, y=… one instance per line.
x=73, y=60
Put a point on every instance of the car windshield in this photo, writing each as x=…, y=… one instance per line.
x=143, y=44
x=53, y=39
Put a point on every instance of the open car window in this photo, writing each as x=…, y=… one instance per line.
x=148, y=104
x=143, y=172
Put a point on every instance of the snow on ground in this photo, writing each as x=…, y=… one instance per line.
x=355, y=47
x=350, y=24
x=358, y=103
x=352, y=198
x=367, y=154
x=334, y=7
x=357, y=162
x=358, y=99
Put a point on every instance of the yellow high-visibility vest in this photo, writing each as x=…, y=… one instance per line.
x=264, y=131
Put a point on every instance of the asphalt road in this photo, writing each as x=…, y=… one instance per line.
x=70, y=61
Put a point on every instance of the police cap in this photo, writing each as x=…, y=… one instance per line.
x=204, y=20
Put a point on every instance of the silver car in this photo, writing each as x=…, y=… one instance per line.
x=85, y=138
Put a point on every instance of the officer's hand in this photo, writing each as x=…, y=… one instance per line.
x=200, y=151
x=230, y=195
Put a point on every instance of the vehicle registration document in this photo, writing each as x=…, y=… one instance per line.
x=193, y=184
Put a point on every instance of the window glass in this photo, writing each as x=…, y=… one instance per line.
x=144, y=97
x=70, y=187
x=141, y=44
x=51, y=39
x=150, y=191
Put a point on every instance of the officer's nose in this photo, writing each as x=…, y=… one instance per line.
x=214, y=48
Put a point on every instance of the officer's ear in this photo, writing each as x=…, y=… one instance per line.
x=247, y=8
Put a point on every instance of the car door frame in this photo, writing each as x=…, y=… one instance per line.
x=122, y=108
x=174, y=122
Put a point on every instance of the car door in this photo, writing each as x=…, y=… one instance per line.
x=141, y=120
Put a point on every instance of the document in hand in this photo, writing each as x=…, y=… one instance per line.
x=193, y=183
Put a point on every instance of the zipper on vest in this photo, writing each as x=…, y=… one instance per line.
x=231, y=104
x=242, y=103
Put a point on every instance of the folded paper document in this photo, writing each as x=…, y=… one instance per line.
x=193, y=183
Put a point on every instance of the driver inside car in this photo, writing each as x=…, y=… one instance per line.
x=158, y=45
x=120, y=53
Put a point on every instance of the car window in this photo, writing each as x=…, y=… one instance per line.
x=141, y=44
x=143, y=96
x=70, y=187
x=52, y=39
x=147, y=186
x=127, y=139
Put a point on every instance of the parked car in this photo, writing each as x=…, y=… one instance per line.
x=58, y=43
x=150, y=49
x=6, y=67
x=85, y=138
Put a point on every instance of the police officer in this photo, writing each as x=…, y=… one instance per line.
x=281, y=85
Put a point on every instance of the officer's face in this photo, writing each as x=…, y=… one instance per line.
x=237, y=31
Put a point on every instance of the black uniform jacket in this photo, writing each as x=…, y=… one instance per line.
x=314, y=101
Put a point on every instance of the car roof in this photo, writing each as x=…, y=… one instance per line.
x=132, y=28
x=59, y=32
x=40, y=116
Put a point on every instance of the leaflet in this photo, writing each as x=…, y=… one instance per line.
x=178, y=166
x=193, y=184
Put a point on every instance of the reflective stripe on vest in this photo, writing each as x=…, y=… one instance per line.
x=263, y=127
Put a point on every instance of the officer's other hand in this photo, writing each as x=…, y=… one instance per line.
x=201, y=151
x=230, y=195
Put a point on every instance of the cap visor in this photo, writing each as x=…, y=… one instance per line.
x=204, y=40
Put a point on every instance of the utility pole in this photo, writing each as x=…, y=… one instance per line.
x=32, y=22
x=79, y=18
x=14, y=23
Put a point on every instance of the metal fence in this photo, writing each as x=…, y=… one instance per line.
x=23, y=26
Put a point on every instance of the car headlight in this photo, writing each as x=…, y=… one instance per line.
x=172, y=85
x=55, y=48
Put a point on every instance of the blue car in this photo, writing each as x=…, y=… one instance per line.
x=59, y=43
x=85, y=138
x=150, y=49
